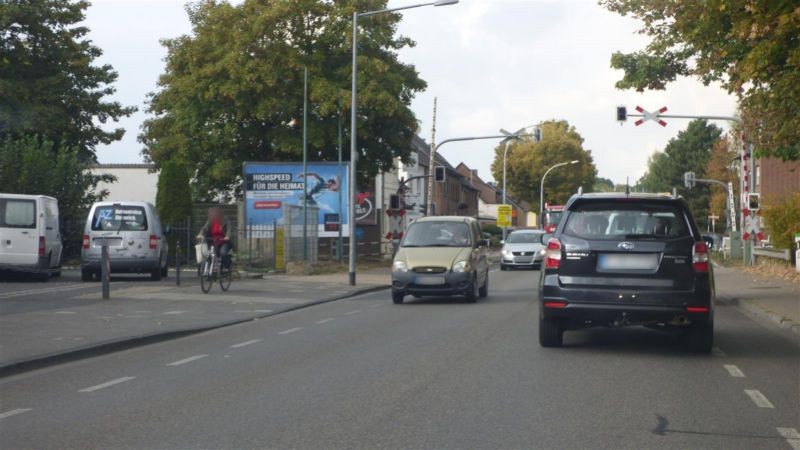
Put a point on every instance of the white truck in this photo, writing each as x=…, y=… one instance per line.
x=30, y=239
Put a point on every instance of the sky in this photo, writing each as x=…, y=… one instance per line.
x=490, y=63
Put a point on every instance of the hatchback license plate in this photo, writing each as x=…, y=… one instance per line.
x=613, y=261
x=429, y=280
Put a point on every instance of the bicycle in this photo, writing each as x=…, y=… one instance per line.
x=212, y=271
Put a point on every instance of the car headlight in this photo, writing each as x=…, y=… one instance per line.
x=506, y=252
x=399, y=266
x=460, y=266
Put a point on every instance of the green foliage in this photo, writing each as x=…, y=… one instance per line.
x=48, y=83
x=527, y=161
x=27, y=166
x=783, y=221
x=690, y=151
x=233, y=89
x=603, y=185
x=174, y=197
x=492, y=229
x=751, y=47
x=721, y=167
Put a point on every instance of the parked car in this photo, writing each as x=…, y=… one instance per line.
x=30, y=238
x=441, y=255
x=522, y=248
x=137, y=241
x=621, y=259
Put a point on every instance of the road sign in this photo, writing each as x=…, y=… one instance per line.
x=396, y=223
x=504, y=213
x=752, y=225
x=647, y=115
x=689, y=179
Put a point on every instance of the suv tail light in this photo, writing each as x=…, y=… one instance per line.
x=153, y=242
x=86, y=242
x=41, y=246
x=552, y=256
x=700, y=257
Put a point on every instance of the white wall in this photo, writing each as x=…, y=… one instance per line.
x=135, y=183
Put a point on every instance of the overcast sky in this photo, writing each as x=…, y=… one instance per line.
x=491, y=63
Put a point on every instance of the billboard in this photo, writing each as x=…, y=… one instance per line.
x=269, y=185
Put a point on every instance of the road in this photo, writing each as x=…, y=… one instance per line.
x=432, y=373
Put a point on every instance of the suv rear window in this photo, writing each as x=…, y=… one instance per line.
x=17, y=213
x=119, y=218
x=626, y=220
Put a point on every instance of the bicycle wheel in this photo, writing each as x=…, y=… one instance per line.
x=225, y=279
x=206, y=279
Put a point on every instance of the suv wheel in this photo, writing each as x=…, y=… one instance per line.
x=550, y=333
x=483, y=292
x=397, y=297
x=701, y=337
x=86, y=274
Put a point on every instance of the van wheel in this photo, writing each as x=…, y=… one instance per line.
x=397, y=297
x=155, y=274
x=86, y=274
x=165, y=272
x=550, y=333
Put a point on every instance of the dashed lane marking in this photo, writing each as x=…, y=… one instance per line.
x=186, y=360
x=734, y=371
x=66, y=312
x=246, y=343
x=356, y=311
x=290, y=330
x=758, y=398
x=320, y=322
x=97, y=387
x=791, y=435
x=174, y=312
x=14, y=412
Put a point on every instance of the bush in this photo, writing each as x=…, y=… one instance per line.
x=174, y=197
x=783, y=221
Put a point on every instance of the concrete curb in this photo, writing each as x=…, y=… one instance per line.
x=777, y=319
x=107, y=347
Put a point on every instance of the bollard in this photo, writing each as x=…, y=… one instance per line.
x=178, y=262
x=105, y=272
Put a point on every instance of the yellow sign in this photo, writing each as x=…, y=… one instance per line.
x=280, y=250
x=504, y=213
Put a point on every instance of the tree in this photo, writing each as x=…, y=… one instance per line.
x=749, y=46
x=174, y=196
x=27, y=166
x=48, y=83
x=603, y=185
x=233, y=89
x=689, y=152
x=721, y=166
x=527, y=161
x=783, y=221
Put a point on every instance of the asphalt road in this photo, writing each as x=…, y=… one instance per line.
x=432, y=373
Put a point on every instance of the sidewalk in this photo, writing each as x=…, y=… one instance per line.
x=774, y=299
x=38, y=330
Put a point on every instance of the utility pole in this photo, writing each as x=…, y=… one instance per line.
x=305, y=163
x=432, y=162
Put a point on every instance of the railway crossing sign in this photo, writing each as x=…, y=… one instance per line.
x=647, y=115
x=752, y=225
x=396, y=223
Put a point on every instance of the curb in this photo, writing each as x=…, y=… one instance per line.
x=777, y=319
x=107, y=347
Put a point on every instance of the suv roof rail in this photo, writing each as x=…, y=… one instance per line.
x=674, y=192
x=580, y=190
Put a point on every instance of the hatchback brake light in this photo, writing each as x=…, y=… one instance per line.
x=153, y=242
x=86, y=242
x=553, y=254
x=700, y=257
x=41, y=246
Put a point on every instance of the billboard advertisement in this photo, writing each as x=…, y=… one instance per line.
x=269, y=185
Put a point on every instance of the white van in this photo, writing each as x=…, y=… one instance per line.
x=137, y=241
x=30, y=239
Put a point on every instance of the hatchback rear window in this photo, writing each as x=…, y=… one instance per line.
x=626, y=221
x=119, y=218
x=437, y=234
x=17, y=213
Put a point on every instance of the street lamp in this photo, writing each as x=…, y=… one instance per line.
x=505, y=153
x=353, y=125
x=541, y=190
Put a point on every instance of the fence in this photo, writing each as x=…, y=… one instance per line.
x=293, y=233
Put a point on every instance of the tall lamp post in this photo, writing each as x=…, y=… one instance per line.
x=354, y=125
x=537, y=137
x=541, y=190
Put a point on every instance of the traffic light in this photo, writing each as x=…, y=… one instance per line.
x=438, y=174
x=537, y=134
x=689, y=179
x=753, y=202
x=394, y=201
x=622, y=113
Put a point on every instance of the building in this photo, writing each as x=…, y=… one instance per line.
x=776, y=179
x=490, y=196
x=134, y=181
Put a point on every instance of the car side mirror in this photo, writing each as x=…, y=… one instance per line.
x=545, y=237
x=483, y=242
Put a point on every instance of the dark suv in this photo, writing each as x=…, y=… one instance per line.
x=620, y=259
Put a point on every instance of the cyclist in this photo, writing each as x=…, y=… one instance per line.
x=218, y=229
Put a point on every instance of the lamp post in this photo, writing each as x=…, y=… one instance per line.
x=354, y=125
x=505, y=154
x=541, y=190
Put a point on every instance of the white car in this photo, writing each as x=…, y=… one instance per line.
x=522, y=248
x=30, y=239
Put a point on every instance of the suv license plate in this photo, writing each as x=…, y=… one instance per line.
x=429, y=280
x=614, y=261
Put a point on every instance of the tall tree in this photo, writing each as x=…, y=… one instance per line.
x=174, y=195
x=750, y=46
x=527, y=161
x=49, y=84
x=688, y=152
x=233, y=89
x=721, y=166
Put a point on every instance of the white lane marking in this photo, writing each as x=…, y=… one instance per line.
x=290, y=330
x=324, y=320
x=352, y=312
x=262, y=310
x=106, y=384
x=14, y=412
x=734, y=371
x=43, y=290
x=246, y=343
x=791, y=435
x=66, y=312
x=174, y=312
x=186, y=360
x=758, y=398
x=716, y=351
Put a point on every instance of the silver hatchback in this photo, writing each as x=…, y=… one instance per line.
x=522, y=248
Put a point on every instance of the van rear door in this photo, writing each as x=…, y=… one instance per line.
x=19, y=236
